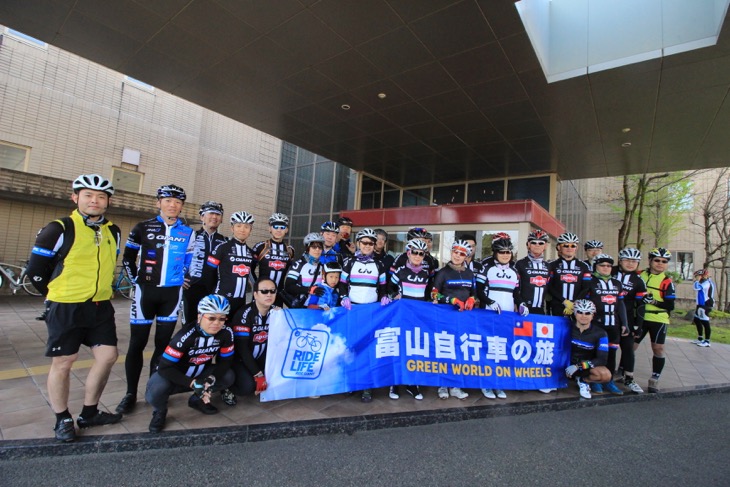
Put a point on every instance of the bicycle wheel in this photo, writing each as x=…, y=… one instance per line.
x=28, y=286
x=125, y=287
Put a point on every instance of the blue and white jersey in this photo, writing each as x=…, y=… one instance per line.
x=165, y=252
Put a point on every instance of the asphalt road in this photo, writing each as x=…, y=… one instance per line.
x=681, y=441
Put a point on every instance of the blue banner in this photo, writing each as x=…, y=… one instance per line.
x=315, y=353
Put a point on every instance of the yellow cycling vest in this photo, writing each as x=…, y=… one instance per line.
x=653, y=286
x=87, y=271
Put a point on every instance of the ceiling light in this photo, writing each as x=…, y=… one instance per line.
x=345, y=106
x=626, y=130
x=382, y=95
x=626, y=144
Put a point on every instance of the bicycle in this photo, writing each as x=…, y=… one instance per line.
x=123, y=284
x=22, y=281
x=308, y=339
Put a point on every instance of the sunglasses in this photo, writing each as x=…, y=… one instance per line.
x=661, y=261
x=316, y=246
x=419, y=253
x=583, y=313
x=569, y=246
x=537, y=242
x=279, y=227
x=504, y=252
x=458, y=252
x=267, y=291
x=604, y=264
x=367, y=243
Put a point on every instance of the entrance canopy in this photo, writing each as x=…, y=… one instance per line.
x=413, y=92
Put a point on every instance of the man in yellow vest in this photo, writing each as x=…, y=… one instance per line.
x=72, y=263
x=659, y=302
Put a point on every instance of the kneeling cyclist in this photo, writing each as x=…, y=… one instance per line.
x=589, y=349
x=187, y=363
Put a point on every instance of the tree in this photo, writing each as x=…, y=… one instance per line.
x=714, y=222
x=649, y=204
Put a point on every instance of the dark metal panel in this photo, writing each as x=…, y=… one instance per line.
x=425, y=80
x=454, y=29
x=349, y=70
x=357, y=21
x=308, y=38
x=395, y=52
x=478, y=65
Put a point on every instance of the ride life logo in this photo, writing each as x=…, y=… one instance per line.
x=305, y=354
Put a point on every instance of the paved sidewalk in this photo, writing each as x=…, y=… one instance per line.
x=25, y=413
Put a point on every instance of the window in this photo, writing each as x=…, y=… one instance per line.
x=14, y=156
x=371, y=193
x=537, y=189
x=448, y=195
x=483, y=192
x=127, y=180
x=391, y=196
x=417, y=197
x=25, y=39
x=683, y=265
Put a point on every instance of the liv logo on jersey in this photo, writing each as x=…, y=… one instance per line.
x=544, y=330
x=305, y=354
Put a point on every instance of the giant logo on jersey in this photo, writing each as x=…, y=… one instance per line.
x=569, y=278
x=241, y=269
x=538, y=281
x=277, y=265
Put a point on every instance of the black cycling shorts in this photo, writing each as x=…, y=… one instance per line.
x=71, y=325
x=657, y=332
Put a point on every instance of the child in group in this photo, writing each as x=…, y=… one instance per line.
x=324, y=295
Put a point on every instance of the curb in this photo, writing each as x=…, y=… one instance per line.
x=37, y=448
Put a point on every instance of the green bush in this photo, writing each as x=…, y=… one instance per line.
x=716, y=313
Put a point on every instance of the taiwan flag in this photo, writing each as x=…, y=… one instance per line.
x=523, y=329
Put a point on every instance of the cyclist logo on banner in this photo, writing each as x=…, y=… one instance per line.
x=305, y=354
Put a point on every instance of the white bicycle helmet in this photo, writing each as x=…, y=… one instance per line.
x=463, y=246
x=568, y=237
x=242, y=217
x=602, y=259
x=312, y=238
x=366, y=233
x=214, y=303
x=93, y=181
x=584, y=306
x=417, y=244
x=630, y=253
x=278, y=218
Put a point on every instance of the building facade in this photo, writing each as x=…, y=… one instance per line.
x=62, y=115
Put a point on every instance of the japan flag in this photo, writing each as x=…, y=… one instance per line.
x=544, y=330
